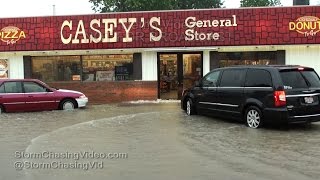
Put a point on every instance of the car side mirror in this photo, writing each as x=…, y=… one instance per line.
x=197, y=84
x=48, y=90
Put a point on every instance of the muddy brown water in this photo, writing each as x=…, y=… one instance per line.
x=161, y=143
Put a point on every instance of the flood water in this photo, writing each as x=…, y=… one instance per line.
x=160, y=142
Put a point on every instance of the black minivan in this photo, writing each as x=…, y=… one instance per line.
x=257, y=94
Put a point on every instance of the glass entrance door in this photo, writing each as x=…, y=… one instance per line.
x=178, y=71
x=192, y=69
x=168, y=72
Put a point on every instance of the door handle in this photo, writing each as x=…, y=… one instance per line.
x=310, y=91
x=30, y=96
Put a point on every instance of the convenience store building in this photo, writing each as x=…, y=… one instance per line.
x=154, y=55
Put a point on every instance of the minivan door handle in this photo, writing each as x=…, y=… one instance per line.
x=309, y=91
x=30, y=96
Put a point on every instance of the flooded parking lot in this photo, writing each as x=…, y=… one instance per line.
x=159, y=141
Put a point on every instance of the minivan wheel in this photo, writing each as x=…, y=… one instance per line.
x=189, y=107
x=253, y=117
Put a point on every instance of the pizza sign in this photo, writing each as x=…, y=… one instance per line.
x=11, y=34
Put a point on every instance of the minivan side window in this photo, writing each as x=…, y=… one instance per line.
x=211, y=79
x=232, y=78
x=258, y=78
x=12, y=87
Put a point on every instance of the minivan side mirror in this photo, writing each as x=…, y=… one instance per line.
x=197, y=84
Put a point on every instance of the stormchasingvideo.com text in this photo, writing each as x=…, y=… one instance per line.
x=69, y=155
x=81, y=160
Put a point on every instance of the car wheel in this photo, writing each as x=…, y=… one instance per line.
x=253, y=117
x=68, y=104
x=189, y=107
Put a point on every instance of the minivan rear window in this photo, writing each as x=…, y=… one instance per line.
x=296, y=79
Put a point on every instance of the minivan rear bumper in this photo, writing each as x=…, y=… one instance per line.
x=305, y=118
x=280, y=115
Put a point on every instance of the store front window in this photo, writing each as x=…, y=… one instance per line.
x=56, y=68
x=247, y=58
x=84, y=68
x=107, y=67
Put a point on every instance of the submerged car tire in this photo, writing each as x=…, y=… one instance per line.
x=68, y=104
x=253, y=117
x=190, y=109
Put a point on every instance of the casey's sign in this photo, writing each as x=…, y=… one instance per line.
x=105, y=30
x=11, y=34
x=306, y=25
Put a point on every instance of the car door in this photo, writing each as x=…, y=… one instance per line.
x=259, y=88
x=12, y=97
x=230, y=92
x=208, y=98
x=39, y=97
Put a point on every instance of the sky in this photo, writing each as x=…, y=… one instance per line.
x=25, y=8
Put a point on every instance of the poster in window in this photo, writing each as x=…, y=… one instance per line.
x=4, y=68
x=88, y=77
x=104, y=75
x=122, y=73
x=76, y=77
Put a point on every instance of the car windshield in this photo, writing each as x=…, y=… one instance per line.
x=296, y=79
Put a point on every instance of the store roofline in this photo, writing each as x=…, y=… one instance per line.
x=179, y=10
x=140, y=50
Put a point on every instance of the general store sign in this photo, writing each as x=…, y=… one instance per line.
x=108, y=30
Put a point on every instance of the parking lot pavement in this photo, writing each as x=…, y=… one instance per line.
x=151, y=141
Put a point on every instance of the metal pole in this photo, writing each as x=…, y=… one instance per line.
x=54, y=9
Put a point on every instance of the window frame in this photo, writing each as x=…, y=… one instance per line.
x=80, y=60
x=114, y=79
x=53, y=60
x=217, y=83
x=4, y=84
x=4, y=90
x=234, y=69
x=24, y=90
x=305, y=79
x=253, y=69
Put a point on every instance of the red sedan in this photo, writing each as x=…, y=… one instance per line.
x=33, y=95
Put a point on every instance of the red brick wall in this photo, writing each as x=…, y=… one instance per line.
x=110, y=92
x=255, y=26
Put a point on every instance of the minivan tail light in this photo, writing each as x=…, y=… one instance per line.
x=279, y=98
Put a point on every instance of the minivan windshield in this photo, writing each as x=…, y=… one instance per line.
x=295, y=79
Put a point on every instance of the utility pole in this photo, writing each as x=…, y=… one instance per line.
x=301, y=2
x=54, y=9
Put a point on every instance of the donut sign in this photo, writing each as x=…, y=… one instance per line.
x=11, y=34
x=306, y=25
